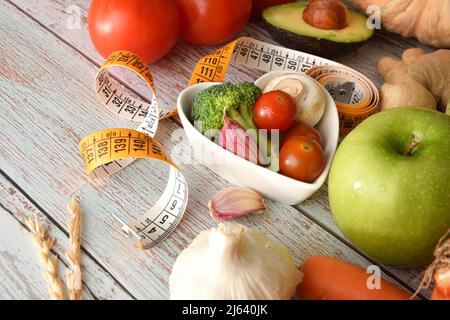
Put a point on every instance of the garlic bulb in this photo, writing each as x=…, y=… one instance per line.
x=307, y=94
x=233, y=262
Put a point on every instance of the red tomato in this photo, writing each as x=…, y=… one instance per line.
x=148, y=28
x=303, y=130
x=274, y=110
x=211, y=22
x=301, y=158
x=260, y=5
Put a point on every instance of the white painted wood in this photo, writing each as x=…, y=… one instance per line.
x=170, y=69
x=21, y=271
x=72, y=112
x=13, y=203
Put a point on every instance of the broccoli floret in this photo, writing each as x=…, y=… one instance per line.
x=236, y=100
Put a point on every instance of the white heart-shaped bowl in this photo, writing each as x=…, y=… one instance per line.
x=239, y=171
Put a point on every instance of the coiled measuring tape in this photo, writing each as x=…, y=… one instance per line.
x=107, y=151
x=355, y=95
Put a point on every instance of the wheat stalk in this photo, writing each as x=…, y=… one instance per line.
x=73, y=275
x=44, y=243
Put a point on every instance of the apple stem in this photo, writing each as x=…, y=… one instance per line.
x=410, y=148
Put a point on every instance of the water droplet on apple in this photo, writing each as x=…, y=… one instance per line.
x=357, y=185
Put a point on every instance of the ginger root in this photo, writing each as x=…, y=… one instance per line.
x=420, y=80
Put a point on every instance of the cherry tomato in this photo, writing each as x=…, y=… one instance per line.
x=211, y=22
x=274, y=110
x=260, y=5
x=303, y=130
x=148, y=28
x=301, y=158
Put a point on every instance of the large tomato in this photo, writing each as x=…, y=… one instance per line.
x=211, y=22
x=146, y=27
x=260, y=5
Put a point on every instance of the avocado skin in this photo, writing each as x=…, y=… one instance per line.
x=319, y=47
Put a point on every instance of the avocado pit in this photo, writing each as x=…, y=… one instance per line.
x=326, y=14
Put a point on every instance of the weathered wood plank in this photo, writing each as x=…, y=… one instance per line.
x=53, y=116
x=17, y=205
x=177, y=67
x=21, y=275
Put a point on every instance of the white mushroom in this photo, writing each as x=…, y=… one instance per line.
x=307, y=95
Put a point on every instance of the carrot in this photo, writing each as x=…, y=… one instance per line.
x=327, y=278
x=439, y=271
x=441, y=289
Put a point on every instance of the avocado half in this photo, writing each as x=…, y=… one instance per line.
x=286, y=26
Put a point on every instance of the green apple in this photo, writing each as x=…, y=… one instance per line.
x=389, y=185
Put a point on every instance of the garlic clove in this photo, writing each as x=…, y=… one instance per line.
x=234, y=202
x=234, y=138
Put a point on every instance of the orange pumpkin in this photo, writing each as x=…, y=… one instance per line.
x=426, y=20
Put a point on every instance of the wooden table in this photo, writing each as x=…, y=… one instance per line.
x=47, y=104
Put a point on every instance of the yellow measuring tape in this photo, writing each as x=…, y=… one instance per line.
x=355, y=95
x=107, y=151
